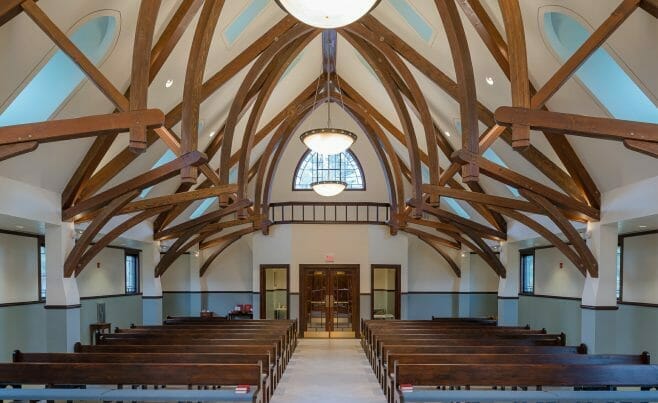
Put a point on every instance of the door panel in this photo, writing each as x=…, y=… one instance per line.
x=329, y=301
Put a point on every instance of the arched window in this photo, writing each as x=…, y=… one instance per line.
x=314, y=167
x=601, y=73
x=56, y=80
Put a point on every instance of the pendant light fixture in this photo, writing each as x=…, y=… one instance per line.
x=328, y=140
x=327, y=14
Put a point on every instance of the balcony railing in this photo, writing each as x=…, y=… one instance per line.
x=329, y=213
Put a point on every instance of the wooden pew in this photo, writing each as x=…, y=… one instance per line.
x=519, y=375
x=178, y=349
x=394, y=359
x=156, y=358
x=130, y=374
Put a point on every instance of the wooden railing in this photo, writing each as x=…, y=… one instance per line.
x=329, y=213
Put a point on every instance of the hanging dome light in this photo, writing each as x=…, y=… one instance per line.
x=327, y=14
x=328, y=188
x=328, y=141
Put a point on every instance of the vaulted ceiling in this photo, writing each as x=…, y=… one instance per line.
x=423, y=80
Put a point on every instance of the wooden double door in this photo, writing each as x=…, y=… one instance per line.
x=329, y=300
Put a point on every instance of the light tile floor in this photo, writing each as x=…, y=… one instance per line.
x=328, y=370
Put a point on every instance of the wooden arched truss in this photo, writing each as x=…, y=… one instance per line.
x=87, y=197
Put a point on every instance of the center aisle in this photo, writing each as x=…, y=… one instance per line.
x=328, y=370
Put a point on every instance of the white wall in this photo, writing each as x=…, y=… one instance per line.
x=232, y=270
x=640, y=254
x=19, y=268
x=428, y=271
x=550, y=279
x=483, y=278
x=177, y=276
x=109, y=279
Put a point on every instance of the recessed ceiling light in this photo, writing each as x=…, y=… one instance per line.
x=169, y=83
x=448, y=134
x=489, y=80
x=20, y=227
x=212, y=133
x=643, y=226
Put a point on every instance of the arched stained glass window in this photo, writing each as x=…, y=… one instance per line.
x=600, y=73
x=56, y=80
x=314, y=167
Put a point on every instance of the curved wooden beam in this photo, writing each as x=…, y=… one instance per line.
x=482, y=249
x=96, y=248
x=518, y=65
x=160, y=52
x=454, y=219
x=177, y=249
x=444, y=242
x=232, y=119
x=216, y=241
x=72, y=263
x=228, y=242
x=467, y=96
x=196, y=66
x=415, y=95
x=546, y=234
x=567, y=229
x=400, y=108
x=148, y=14
x=263, y=97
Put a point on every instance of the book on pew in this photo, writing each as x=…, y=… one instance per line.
x=242, y=389
x=406, y=387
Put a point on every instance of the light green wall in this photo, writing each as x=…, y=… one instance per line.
x=556, y=315
x=119, y=312
x=22, y=327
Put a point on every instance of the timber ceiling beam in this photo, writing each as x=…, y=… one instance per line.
x=578, y=125
x=454, y=219
x=72, y=262
x=13, y=150
x=160, y=52
x=115, y=233
x=531, y=154
x=518, y=65
x=67, y=129
x=210, y=243
x=182, y=244
x=482, y=249
x=214, y=216
x=282, y=61
x=225, y=241
x=644, y=147
x=650, y=6
x=433, y=238
x=150, y=178
x=437, y=225
x=377, y=63
x=567, y=229
x=210, y=86
x=9, y=9
x=148, y=14
x=196, y=66
x=466, y=94
x=168, y=201
x=514, y=179
x=266, y=57
x=546, y=234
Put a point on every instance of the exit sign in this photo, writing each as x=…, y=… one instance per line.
x=329, y=258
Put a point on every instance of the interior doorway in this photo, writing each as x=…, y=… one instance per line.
x=329, y=300
x=274, y=291
x=385, y=292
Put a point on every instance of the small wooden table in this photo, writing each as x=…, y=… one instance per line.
x=98, y=327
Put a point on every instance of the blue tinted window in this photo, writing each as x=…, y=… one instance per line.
x=166, y=157
x=316, y=167
x=601, y=74
x=59, y=77
x=528, y=274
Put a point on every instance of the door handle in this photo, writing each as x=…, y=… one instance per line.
x=327, y=300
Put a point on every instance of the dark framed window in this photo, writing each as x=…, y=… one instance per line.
x=42, y=271
x=315, y=167
x=132, y=273
x=528, y=273
x=619, y=279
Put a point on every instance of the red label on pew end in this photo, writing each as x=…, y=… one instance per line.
x=406, y=387
x=242, y=389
